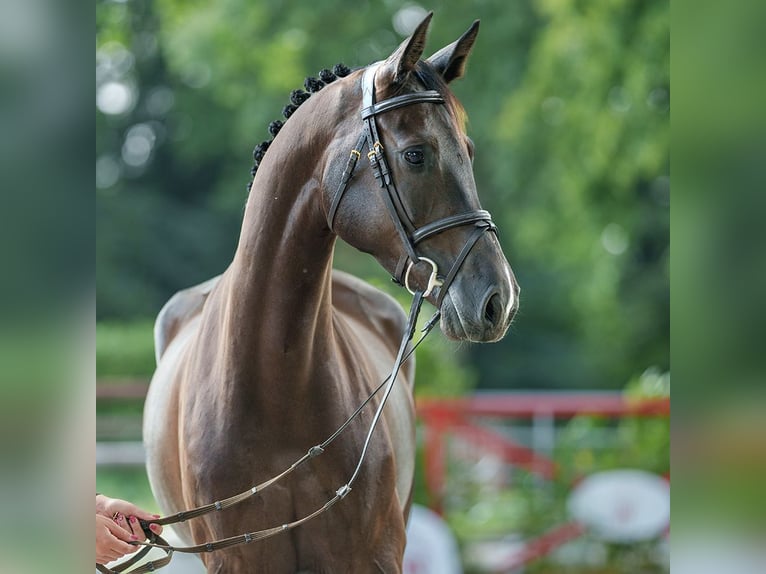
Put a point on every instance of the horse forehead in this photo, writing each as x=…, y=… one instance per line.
x=432, y=121
x=451, y=113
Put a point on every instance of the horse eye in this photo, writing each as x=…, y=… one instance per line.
x=415, y=157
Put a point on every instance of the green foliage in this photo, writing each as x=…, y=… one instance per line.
x=636, y=442
x=124, y=349
x=490, y=513
x=568, y=105
x=441, y=369
x=586, y=137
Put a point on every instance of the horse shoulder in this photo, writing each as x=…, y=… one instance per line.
x=382, y=314
x=177, y=312
x=370, y=306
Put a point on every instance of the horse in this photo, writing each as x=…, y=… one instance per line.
x=261, y=362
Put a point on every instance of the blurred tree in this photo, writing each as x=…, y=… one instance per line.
x=568, y=109
x=159, y=226
x=584, y=141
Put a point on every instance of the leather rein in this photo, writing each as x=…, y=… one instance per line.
x=410, y=236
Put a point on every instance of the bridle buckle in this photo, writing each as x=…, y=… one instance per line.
x=433, y=280
x=377, y=149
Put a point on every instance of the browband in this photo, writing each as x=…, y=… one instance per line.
x=429, y=96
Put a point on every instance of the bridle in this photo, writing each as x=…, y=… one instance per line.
x=408, y=233
x=411, y=236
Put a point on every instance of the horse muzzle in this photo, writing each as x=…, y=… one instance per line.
x=479, y=311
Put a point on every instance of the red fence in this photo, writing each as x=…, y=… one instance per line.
x=462, y=417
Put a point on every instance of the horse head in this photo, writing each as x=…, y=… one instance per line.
x=417, y=210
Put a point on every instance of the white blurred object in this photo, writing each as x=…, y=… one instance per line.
x=622, y=505
x=407, y=19
x=492, y=555
x=120, y=453
x=431, y=546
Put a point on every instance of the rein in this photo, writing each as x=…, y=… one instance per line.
x=411, y=236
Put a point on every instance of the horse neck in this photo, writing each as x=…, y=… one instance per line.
x=279, y=301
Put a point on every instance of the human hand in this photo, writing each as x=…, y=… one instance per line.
x=112, y=539
x=115, y=508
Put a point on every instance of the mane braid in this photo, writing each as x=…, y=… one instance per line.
x=297, y=97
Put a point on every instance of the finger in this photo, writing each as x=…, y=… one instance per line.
x=106, y=557
x=121, y=521
x=121, y=533
x=135, y=527
x=155, y=528
x=120, y=548
x=129, y=509
x=138, y=528
x=143, y=514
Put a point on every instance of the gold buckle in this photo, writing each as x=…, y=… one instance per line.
x=377, y=148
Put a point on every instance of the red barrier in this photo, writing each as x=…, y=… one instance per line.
x=441, y=417
x=528, y=405
x=544, y=544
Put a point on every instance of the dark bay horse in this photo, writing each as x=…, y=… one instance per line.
x=259, y=364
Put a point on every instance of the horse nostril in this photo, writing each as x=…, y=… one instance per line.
x=493, y=310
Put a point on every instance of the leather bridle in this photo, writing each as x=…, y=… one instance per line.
x=411, y=236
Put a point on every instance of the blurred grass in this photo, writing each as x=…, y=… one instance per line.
x=125, y=349
x=128, y=484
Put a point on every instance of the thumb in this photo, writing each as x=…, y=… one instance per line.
x=129, y=509
x=144, y=515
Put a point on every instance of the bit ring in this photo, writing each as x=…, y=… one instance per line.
x=433, y=281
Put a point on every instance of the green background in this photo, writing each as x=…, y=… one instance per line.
x=568, y=104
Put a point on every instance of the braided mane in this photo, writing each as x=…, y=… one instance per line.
x=297, y=97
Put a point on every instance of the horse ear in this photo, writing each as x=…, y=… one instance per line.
x=450, y=60
x=399, y=64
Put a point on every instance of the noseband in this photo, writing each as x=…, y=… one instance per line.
x=408, y=232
